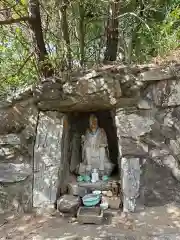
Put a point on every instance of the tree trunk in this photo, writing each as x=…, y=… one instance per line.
x=136, y=43
x=36, y=26
x=65, y=31
x=112, y=32
x=81, y=33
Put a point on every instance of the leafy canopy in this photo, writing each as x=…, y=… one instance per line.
x=147, y=29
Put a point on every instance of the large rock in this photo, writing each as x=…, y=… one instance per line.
x=10, y=139
x=68, y=204
x=16, y=116
x=173, y=165
x=157, y=75
x=130, y=168
x=15, y=187
x=9, y=121
x=47, y=158
x=164, y=93
x=132, y=124
x=131, y=147
x=10, y=172
x=10, y=147
x=16, y=196
x=174, y=146
x=18, y=131
x=91, y=92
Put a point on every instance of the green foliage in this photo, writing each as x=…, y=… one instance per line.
x=16, y=60
x=169, y=31
x=152, y=31
x=145, y=31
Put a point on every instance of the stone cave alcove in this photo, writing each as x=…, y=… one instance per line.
x=79, y=122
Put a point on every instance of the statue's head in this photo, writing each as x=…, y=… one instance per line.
x=93, y=122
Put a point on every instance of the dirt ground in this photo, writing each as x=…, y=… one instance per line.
x=154, y=221
x=160, y=220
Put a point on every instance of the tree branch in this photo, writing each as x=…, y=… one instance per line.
x=22, y=66
x=13, y=20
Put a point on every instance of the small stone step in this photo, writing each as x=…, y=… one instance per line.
x=90, y=215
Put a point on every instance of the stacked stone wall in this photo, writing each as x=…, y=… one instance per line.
x=147, y=103
x=17, y=135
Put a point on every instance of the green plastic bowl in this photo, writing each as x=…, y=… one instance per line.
x=80, y=179
x=105, y=178
x=87, y=178
x=91, y=200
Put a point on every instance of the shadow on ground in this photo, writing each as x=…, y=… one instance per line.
x=161, y=188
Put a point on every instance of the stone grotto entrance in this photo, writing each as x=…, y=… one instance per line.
x=75, y=125
x=58, y=151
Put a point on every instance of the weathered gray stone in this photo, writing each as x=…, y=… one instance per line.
x=68, y=204
x=92, y=215
x=164, y=93
x=174, y=146
x=16, y=196
x=85, y=93
x=45, y=186
x=130, y=168
x=11, y=139
x=158, y=153
x=47, y=156
x=157, y=75
x=176, y=112
x=154, y=139
x=168, y=132
x=14, y=146
x=171, y=236
x=16, y=117
x=132, y=125
x=10, y=147
x=21, y=94
x=7, y=153
x=131, y=147
x=173, y=165
x=9, y=121
x=10, y=173
x=173, y=94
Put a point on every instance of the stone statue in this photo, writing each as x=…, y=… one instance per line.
x=95, y=149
